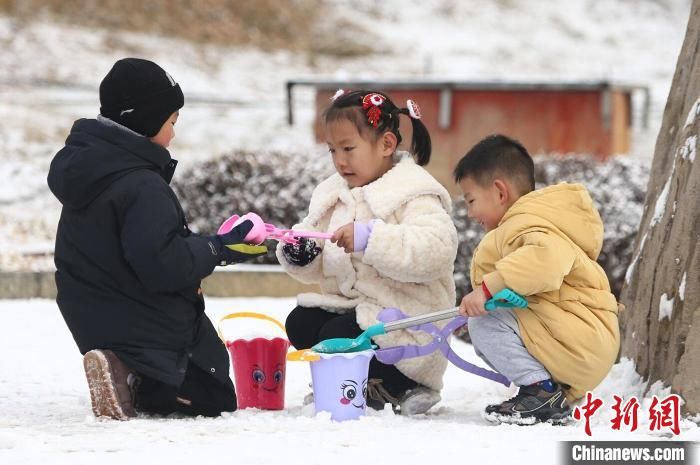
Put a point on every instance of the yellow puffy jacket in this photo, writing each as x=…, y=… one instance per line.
x=545, y=248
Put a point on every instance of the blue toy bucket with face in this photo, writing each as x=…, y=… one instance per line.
x=340, y=384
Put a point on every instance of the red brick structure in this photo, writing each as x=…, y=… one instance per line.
x=591, y=118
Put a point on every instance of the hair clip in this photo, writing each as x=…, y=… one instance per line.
x=371, y=103
x=338, y=93
x=413, y=109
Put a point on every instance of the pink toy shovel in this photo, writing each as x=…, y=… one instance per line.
x=262, y=231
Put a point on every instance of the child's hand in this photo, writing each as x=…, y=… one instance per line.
x=302, y=253
x=473, y=303
x=344, y=237
x=232, y=247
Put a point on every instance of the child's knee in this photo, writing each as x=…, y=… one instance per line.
x=475, y=331
x=296, y=328
x=482, y=329
x=340, y=326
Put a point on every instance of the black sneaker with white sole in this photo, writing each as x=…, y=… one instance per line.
x=533, y=404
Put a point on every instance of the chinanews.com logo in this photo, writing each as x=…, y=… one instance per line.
x=627, y=452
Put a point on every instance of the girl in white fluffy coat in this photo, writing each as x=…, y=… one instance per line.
x=394, y=245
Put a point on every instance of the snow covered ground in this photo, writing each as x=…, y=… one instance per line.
x=45, y=415
x=49, y=75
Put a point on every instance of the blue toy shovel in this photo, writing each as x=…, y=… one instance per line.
x=503, y=298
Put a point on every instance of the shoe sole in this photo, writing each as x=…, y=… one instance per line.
x=498, y=419
x=103, y=394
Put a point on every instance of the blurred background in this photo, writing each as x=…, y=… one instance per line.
x=234, y=60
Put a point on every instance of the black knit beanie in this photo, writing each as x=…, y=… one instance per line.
x=140, y=95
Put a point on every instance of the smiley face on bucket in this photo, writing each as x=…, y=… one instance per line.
x=353, y=393
x=269, y=380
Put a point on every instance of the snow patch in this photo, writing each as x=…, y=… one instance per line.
x=658, y=389
x=630, y=270
x=665, y=307
x=681, y=288
x=248, y=328
x=622, y=380
x=693, y=113
x=659, y=210
x=660, y=206
x=689, y=148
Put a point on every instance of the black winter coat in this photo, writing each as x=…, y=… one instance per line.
x=128, y=268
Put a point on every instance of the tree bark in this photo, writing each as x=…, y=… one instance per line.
x=661, y=323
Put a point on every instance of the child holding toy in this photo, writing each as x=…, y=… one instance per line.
x=394, y=245
x=543, y=244
x=128, y=269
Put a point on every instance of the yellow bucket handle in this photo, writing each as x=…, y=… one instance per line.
x=303, y=355
x=259, y=316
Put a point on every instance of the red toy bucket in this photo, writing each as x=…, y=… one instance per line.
x=259, y=367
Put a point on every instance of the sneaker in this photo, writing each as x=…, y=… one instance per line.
x=531, y=405
x=418, y=401
x=377, y=395
x=415, y=401
x=108, y=378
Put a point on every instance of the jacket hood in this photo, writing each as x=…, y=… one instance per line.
x=98, y=153
x=567, y=207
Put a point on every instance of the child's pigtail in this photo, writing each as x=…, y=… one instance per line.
x=420, y=145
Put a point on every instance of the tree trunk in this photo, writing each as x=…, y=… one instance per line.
x=661, y=323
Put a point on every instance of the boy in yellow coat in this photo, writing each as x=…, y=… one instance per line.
x=543, y=244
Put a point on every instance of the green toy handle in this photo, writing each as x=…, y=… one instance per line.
x=505, y=298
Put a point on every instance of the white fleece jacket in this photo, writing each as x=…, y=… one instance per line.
x=408, y=263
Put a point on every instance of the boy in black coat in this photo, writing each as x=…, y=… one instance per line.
x=128, y=267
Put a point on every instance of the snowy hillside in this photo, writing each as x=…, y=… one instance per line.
x=49, y=75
